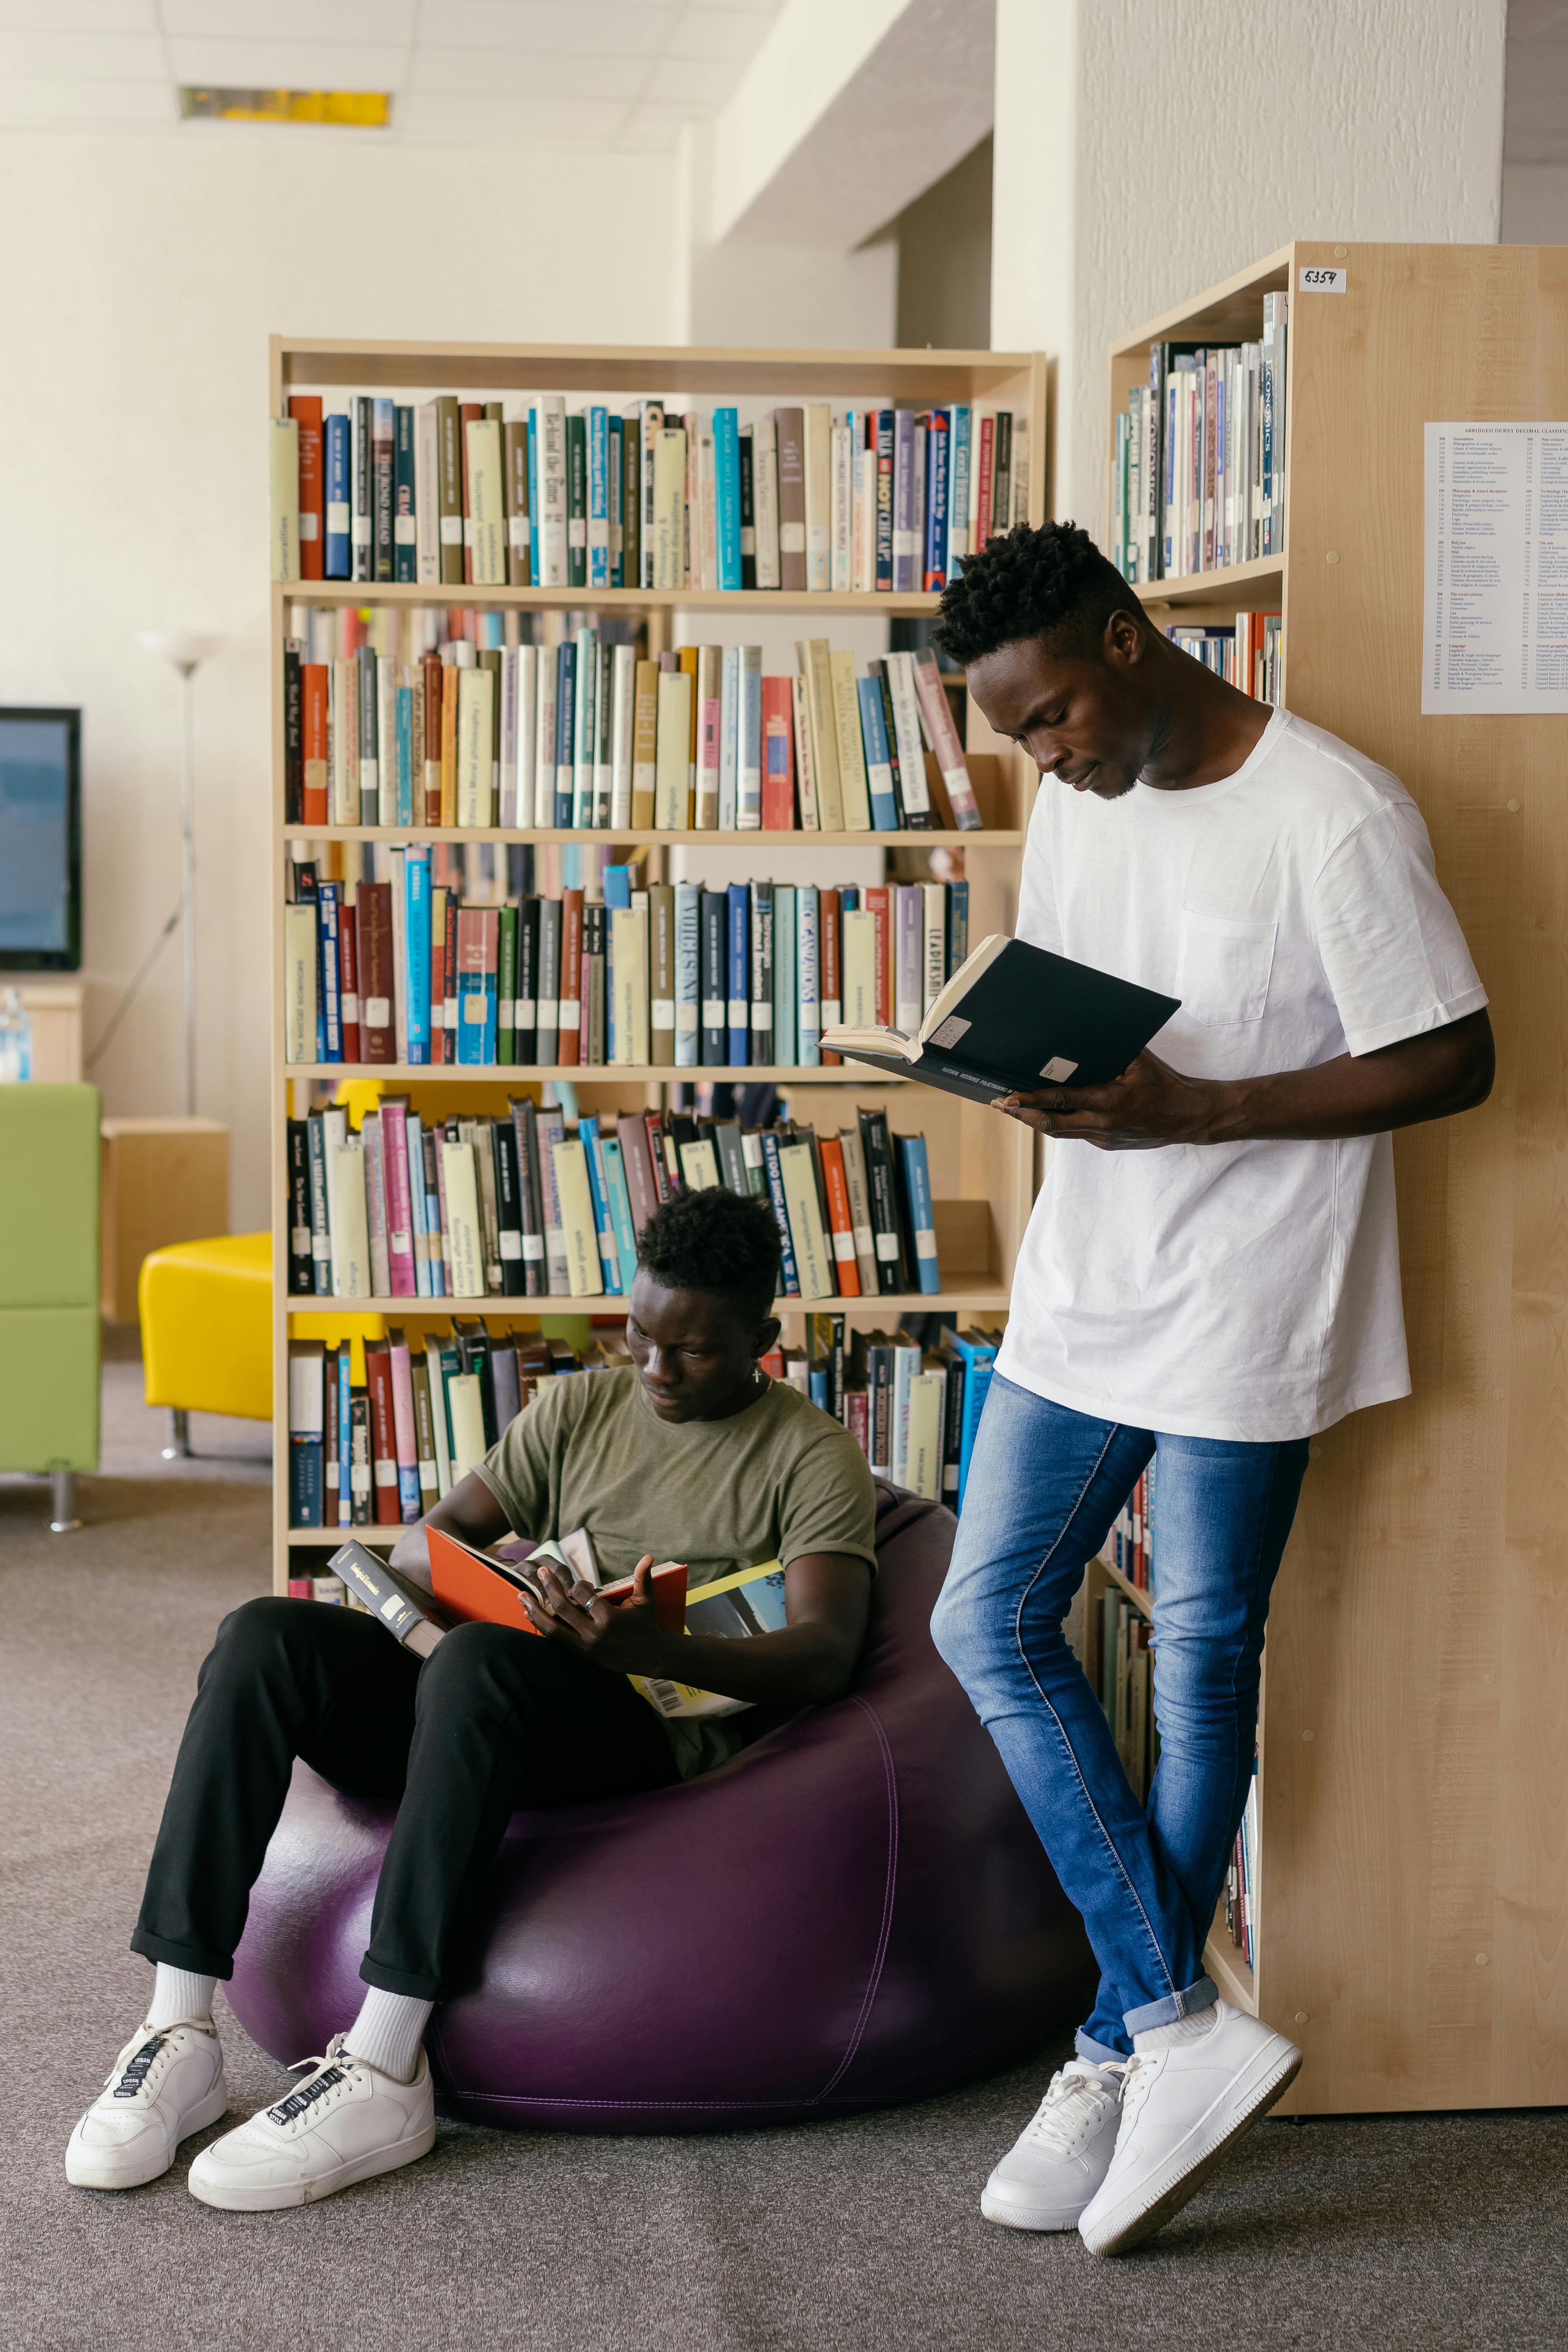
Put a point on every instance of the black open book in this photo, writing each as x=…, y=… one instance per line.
x=1015, y=1018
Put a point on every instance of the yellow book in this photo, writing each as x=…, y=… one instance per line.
x=299, y=983
x=466, y=1406
x=283, y=450
x=644, y=745
x=450, y=677
x=578, y=1230
x=816, y=668
x=922, y=1458
x=347, y=1218
x=688, y=658
x=463, y=1229
x=345, y=746
x=853, y=788
x=857, y=966
x=476, y=736
x=628, y=958
x=486, y=504
x=813, y=1256
x=670, y=508
x=699, y=1166
x=818, y=418
x=672, y=780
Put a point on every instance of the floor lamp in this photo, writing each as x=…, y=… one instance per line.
x=185, y=651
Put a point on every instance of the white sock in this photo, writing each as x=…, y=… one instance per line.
x=386, y=2031
x=1181, y=2028
x=178, y=1994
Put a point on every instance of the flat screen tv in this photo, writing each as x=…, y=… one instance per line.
x=40, y=840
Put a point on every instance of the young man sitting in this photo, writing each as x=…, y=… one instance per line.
x=693, y=1453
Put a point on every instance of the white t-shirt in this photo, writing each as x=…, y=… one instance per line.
x=1243, y=1291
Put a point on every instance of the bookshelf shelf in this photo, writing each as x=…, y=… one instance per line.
x=465, y=593
x=591, y=1074
x=1143, y=1601
x=690, y=838
x=983, y=1166
x=1224, y=1963
x=985, y=1297
x=1411, y=1898
x=1251, y=587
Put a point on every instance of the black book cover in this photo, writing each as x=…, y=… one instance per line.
x=748, y=510
x=715, y=946
x=531, y=1196
x=508, y=1207
x=762, y=973
x=952, y=1424
x=360, y=514
x=383, y=447
x=503, y=1377
x=877, y=1152
x=361, y=1502
x=293, y=733
x=301, y=1278
x=596, y=934
x=473, y=1340
x=576, y=502
x=525, y=1013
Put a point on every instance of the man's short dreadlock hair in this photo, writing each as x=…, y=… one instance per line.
x=1052, y=582
x=713, y=1240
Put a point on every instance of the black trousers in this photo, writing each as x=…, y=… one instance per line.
x=493, y=1720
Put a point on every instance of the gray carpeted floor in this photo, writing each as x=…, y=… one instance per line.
x=1442, y=2233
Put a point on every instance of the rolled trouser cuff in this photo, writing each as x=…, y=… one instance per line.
x=1202, y=1995
x=423, y=1986
x=193, y=1957
x=1096, y=2053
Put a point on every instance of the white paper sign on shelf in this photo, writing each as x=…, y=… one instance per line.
x=1321, y=281
x=1494, y=632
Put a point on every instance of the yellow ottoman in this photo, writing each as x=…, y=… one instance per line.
x=206, y=1329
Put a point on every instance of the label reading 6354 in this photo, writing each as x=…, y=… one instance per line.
x=1323, y=281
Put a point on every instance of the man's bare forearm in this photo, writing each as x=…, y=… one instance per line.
x=469, y=1510
x=1430, y=1076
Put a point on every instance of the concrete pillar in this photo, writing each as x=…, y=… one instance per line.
x=1145, y=149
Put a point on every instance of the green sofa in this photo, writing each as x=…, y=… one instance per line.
x=50, y=1286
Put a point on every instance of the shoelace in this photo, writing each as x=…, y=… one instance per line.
x=136, y=2072
x=1061, y=2113
x=308, y=2094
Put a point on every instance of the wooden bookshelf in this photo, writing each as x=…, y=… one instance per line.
x=982, y=1166
x=1413, y=1898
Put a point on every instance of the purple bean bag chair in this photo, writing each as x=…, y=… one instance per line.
x=853, y=1912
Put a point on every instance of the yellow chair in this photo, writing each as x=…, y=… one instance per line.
x=206, y=1330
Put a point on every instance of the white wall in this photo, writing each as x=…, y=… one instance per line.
x=1145, y=149
x=139, y=282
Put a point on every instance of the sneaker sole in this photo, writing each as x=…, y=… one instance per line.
x=275, y=2196
x=1117, y=2233
x=78, y=2164
x=1025, y=2217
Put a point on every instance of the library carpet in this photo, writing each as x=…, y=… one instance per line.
x=1437, y=2232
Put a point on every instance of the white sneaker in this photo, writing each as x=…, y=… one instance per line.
x=346, y=2121
x=1057, y=2162
x=1181, y=2109
x=165, y=2084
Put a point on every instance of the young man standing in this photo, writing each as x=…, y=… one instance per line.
x=693, y=1453
x=1210, y=1276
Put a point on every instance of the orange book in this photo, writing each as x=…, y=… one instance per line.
x=449, y=676
x=841, y=1230
x=305, y=408
x=876, y=900
x=383, y=1434
x=315, y=691
x=569, y=1035
x=830, y=985
x=487, y=1587
x=778, y=755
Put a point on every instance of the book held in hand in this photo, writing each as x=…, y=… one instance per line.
x=1012, y=1019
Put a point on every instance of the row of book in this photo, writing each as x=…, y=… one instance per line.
x=1250, y=656
x=1241, y=1878
x=382, y=1452
x=526, y=493
x=527, y=1206
x=1126, y=1687
x=584, y=734
x=1132, y=1541
x=1198, y=474
x=676, y=975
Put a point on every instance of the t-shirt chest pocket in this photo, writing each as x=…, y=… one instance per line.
x=1223, y=965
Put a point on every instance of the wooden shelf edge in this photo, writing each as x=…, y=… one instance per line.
x=985, y=1297
x=1214, y=587
x=594, y=1074
x=1143, y=1601
x=1229, y=1971
x=454, y=596
x=1258, y=277
x=985, y=837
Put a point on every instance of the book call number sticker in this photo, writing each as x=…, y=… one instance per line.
x=1323, y=281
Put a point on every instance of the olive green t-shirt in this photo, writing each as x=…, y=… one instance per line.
x=774, y=1482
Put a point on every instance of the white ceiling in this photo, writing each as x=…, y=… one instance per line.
x=606, y=74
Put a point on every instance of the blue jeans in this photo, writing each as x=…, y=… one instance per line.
x=1044, y=1486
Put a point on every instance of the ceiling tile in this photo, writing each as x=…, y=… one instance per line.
x=512, y=73
x=105, y=56
x=717, y=32
x=288, y=65
x=383, y=21
x=45, y=98
x=545, y=31
x=446, y=120
x=655, y=130
x=689, y=83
